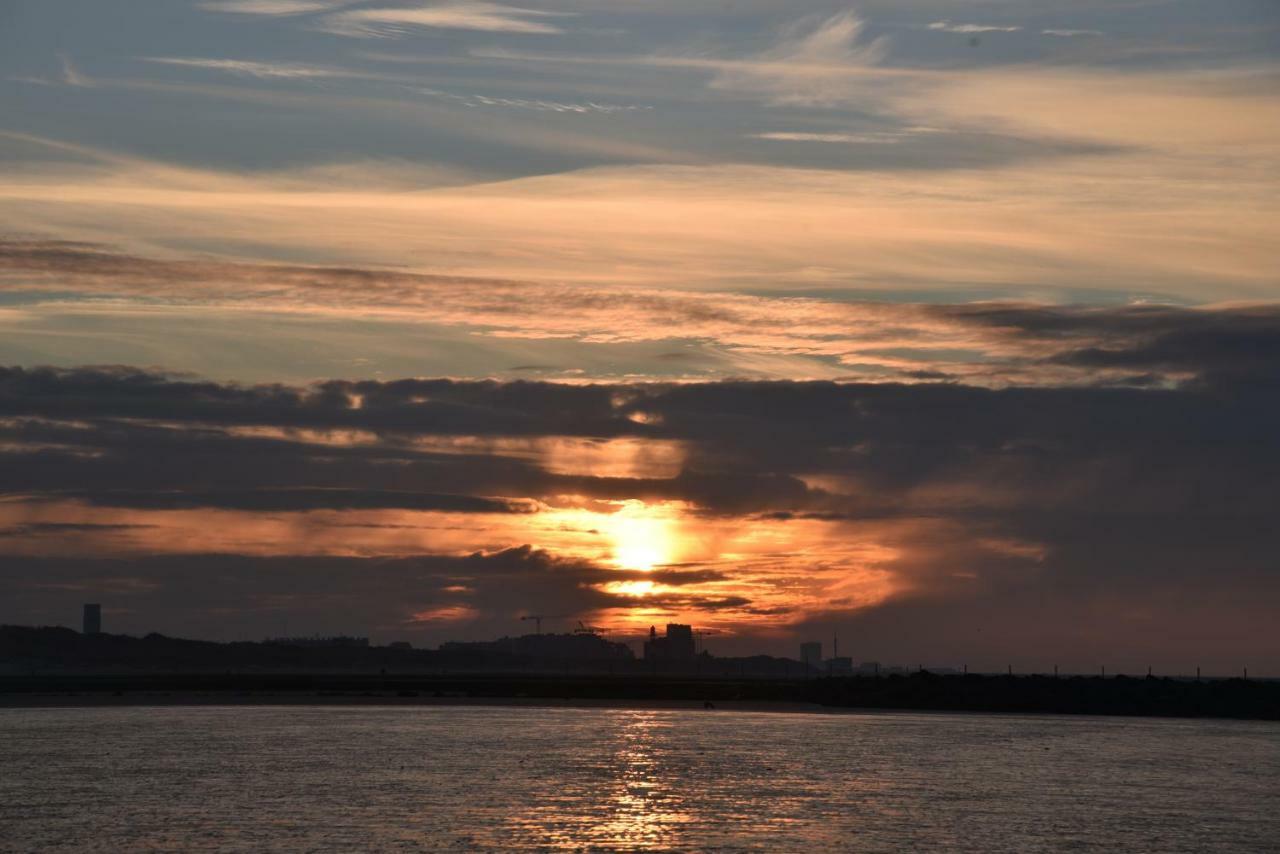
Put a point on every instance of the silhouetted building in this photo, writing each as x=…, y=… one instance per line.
x=840, y=666
x=93, y=619
x=811, y=653
x=400, y=645
x=318, y=641
x=678, y=644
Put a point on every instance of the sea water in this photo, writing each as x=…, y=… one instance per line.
x=461, y=778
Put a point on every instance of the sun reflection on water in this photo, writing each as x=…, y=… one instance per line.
x=637, y=802
x=644, y=810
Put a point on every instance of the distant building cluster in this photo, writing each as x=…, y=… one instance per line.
x=842, y=665
x=676, y=650
x=677, y=645
x=836, y=665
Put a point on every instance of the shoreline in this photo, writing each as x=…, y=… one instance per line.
x=1118, y=697
x=176, y=700
x=187, y=699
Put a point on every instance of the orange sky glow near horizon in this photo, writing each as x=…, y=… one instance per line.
x=789, y=570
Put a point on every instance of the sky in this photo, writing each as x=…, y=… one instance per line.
x=949, y=327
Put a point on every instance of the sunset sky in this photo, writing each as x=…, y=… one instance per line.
x=952, y=327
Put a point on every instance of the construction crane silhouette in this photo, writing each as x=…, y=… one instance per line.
x=538, y=618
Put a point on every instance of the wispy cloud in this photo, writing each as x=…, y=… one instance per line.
x=878, y=138
x=260, y=70
x=485, y=17
x=1070, y=33
x=70, y=74
x=949, y=27
x=274, y=8
x=536, y=104
x=808, y=63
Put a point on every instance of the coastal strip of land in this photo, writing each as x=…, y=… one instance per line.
x=1076, y=695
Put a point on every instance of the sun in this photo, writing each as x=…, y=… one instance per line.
x=632, y=553
x=642, y=542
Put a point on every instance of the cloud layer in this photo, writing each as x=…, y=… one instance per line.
x=762, y=508
x=991, y=343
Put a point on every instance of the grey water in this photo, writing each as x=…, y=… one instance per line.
x=516, y=778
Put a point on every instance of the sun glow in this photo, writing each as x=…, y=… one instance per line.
x=630, y=588
x=641, y=539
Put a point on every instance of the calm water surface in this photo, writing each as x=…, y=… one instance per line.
x=474, y=778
